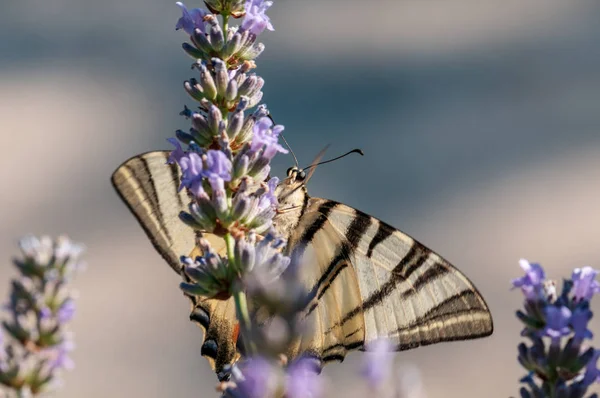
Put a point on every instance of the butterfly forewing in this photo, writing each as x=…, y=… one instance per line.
x=150, y=188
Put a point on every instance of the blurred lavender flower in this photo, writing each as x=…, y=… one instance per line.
x=303, y=380
x=254, y=378
x=532, y=282
x=259, y=377
x=378, y=362
x=557, y=322
x=40, y=306
x=585, y=284
x=562, y=366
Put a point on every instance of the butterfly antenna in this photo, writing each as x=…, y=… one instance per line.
x=290, y=148
x=359, y=151
x=285, y=142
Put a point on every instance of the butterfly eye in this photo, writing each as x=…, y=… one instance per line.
x=300, y=176
x=289, y=171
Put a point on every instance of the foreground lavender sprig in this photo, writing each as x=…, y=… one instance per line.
x=559, y=361
x=225, y=156
x=40, y=307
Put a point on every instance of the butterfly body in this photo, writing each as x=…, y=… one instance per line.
x=366, y=280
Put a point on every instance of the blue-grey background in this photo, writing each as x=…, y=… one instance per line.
x=480, y=122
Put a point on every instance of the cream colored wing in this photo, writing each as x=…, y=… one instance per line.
x=149, y=187
x=373, y=281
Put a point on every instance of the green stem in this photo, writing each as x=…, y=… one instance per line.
x=225, y=25
x=241, y=304
x=241, y=309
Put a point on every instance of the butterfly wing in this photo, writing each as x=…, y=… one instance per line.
x=373, y=281
x=366, y=279
x=149, y=188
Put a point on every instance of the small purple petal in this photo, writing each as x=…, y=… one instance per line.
x=378, y=362
x=191, y=19
x=66, y=311
x=579, y=322
x=270, y=194
x=303, y=381
x=257, y=373
x=557, y=322
x=176, y=155
x=585, y=284
x=267, y=137
x=533, y=282
x=45, y=313
x=217, y=165
x=592, y=373
x=191, y=169
x=256, y=19
x=59, y=356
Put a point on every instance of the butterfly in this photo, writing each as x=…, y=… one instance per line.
x=366, y=280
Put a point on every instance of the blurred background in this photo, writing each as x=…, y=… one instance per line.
x=480, y=123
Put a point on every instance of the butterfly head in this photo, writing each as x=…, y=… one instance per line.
x=296, y=175
x=291, y=196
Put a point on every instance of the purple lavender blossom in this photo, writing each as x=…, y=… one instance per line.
x=191, y=19
x=270, y=194
x=256, y=19
x=59, y=356
x=557, y=359
x=592, y=373
x=303, y=381
x=178, y=153
x=191, y=168
x=557, y=322
x=257, y=376
x=579, y=322
x=218, y=169
x=585, y=284
x=267, y=136
x=66, y=311
x=532, y=282
x=378, y=364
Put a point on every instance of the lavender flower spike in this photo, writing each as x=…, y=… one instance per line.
x=558, y=360
x=191, y=19
x=40, y=306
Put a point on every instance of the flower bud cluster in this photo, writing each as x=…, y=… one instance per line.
x=211, y=274
x=233, y=45
x=226, y=164
x=559, y=362
x=40, y=306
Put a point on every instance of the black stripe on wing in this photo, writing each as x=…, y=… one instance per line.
x=414, y=258
x=353, y=235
